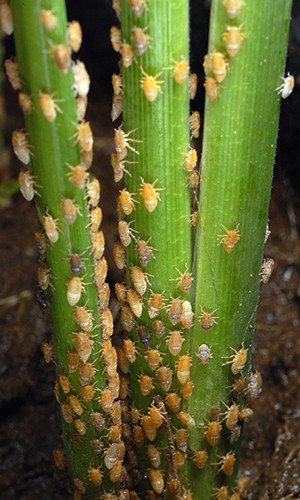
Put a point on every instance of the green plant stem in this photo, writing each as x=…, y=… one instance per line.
x=53, y=149
x=239, y=144
x=162, y=128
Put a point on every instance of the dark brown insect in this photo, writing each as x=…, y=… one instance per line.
x=144, y=335
x=76, y=264
x=41, y=298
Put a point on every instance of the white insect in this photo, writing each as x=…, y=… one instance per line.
x=286, y=88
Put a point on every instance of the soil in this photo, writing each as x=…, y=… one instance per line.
x=30, y=420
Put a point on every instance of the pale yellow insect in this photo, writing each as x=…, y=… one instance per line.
x=254, y=385
x=237, y=360
x=125, y=232
x=95, y=219
x=286, y=88
x=25, y=102
x=62, y=57
x=84, y=318
x=49, y=19
x=140, y=40
x=183, y=367
x=233, y=39
x=229, y=239
x=51, y=228
x=27, y=184
x=233, y=7
x=211, y=88
x=81, y=105
x=195, y=124
x=150, y=195
x=126, y=55
x=81, y=79
x=122, y=141
x=93, y=192
x=103, y=295
x=84, y=136
x=116, y=5
x=116, y=38
x=193, y=85
x=119, y=254
x=116, y=107
x=138, y=6
x=74, y=34
x=187, y=315
x=219, y=66
x=6, y=19
x=21, y=146
x=135, y=302
x=267, y=269
x=118, y=165
x=127, y=201
x=139, y=279
x=117, y=84
x=49, y=106
x=74, y=289
x=70, y=210
x=12, y=72
x=150, y=85
x=78, y=176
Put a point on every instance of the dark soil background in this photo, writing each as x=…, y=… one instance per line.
x=29, y=415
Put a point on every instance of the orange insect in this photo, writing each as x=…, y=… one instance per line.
x=150, y=85
x=95, y=219
x=93, y=192
x=195, y=124
x=125, y=232
x=211, y=88
x=140, y=40
x=119, y=254
x=229, y=239
x=206, y=319
x=175, y=342
x=155, y=304
x=180, y=70
x=21, y=146
x=173, y=401
x=122, y=140
x=138, y=6
x=87, y=392
x=106, y=323
x=233, y=39
x=164, y=375
x=182, y=437
x=231, y=416
x=213, y=432
x=74, y=33
x=175, y=310
x=86, y=373
x=130, y=350
x=98, y=421
x=49, y=19
x=135, y=302
x=200, y=459
x=187, y=389
x=159, y=328
x=138, y=435
x=74, y=288
x=139, y=279
x=222, y=493
x=180, y=459
x=73, y=361
x=186, y=419
x=219, y=66
x=59, y=458
x=149, y=427
x=238, y=387
x=117, y=84
x=84, y=136
x=127, y=202
x=12, y=72
x=126, y=55
x=156, y=416
x=75, y=404
x=81, y=79
x=154, y=455
x=227, y=463
x=121, y=293
x=153, y=358
x=233, y=7
x=157, y=480
x=203, y=354
x=194, y=218
x=190, y=161
x=193, y=84
x=25, y=102
x=49, y=106
x=107, y=399
x=95, y=475
x=78, y=176
x=62, y=57
x=67, y=412
x=70, y=210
